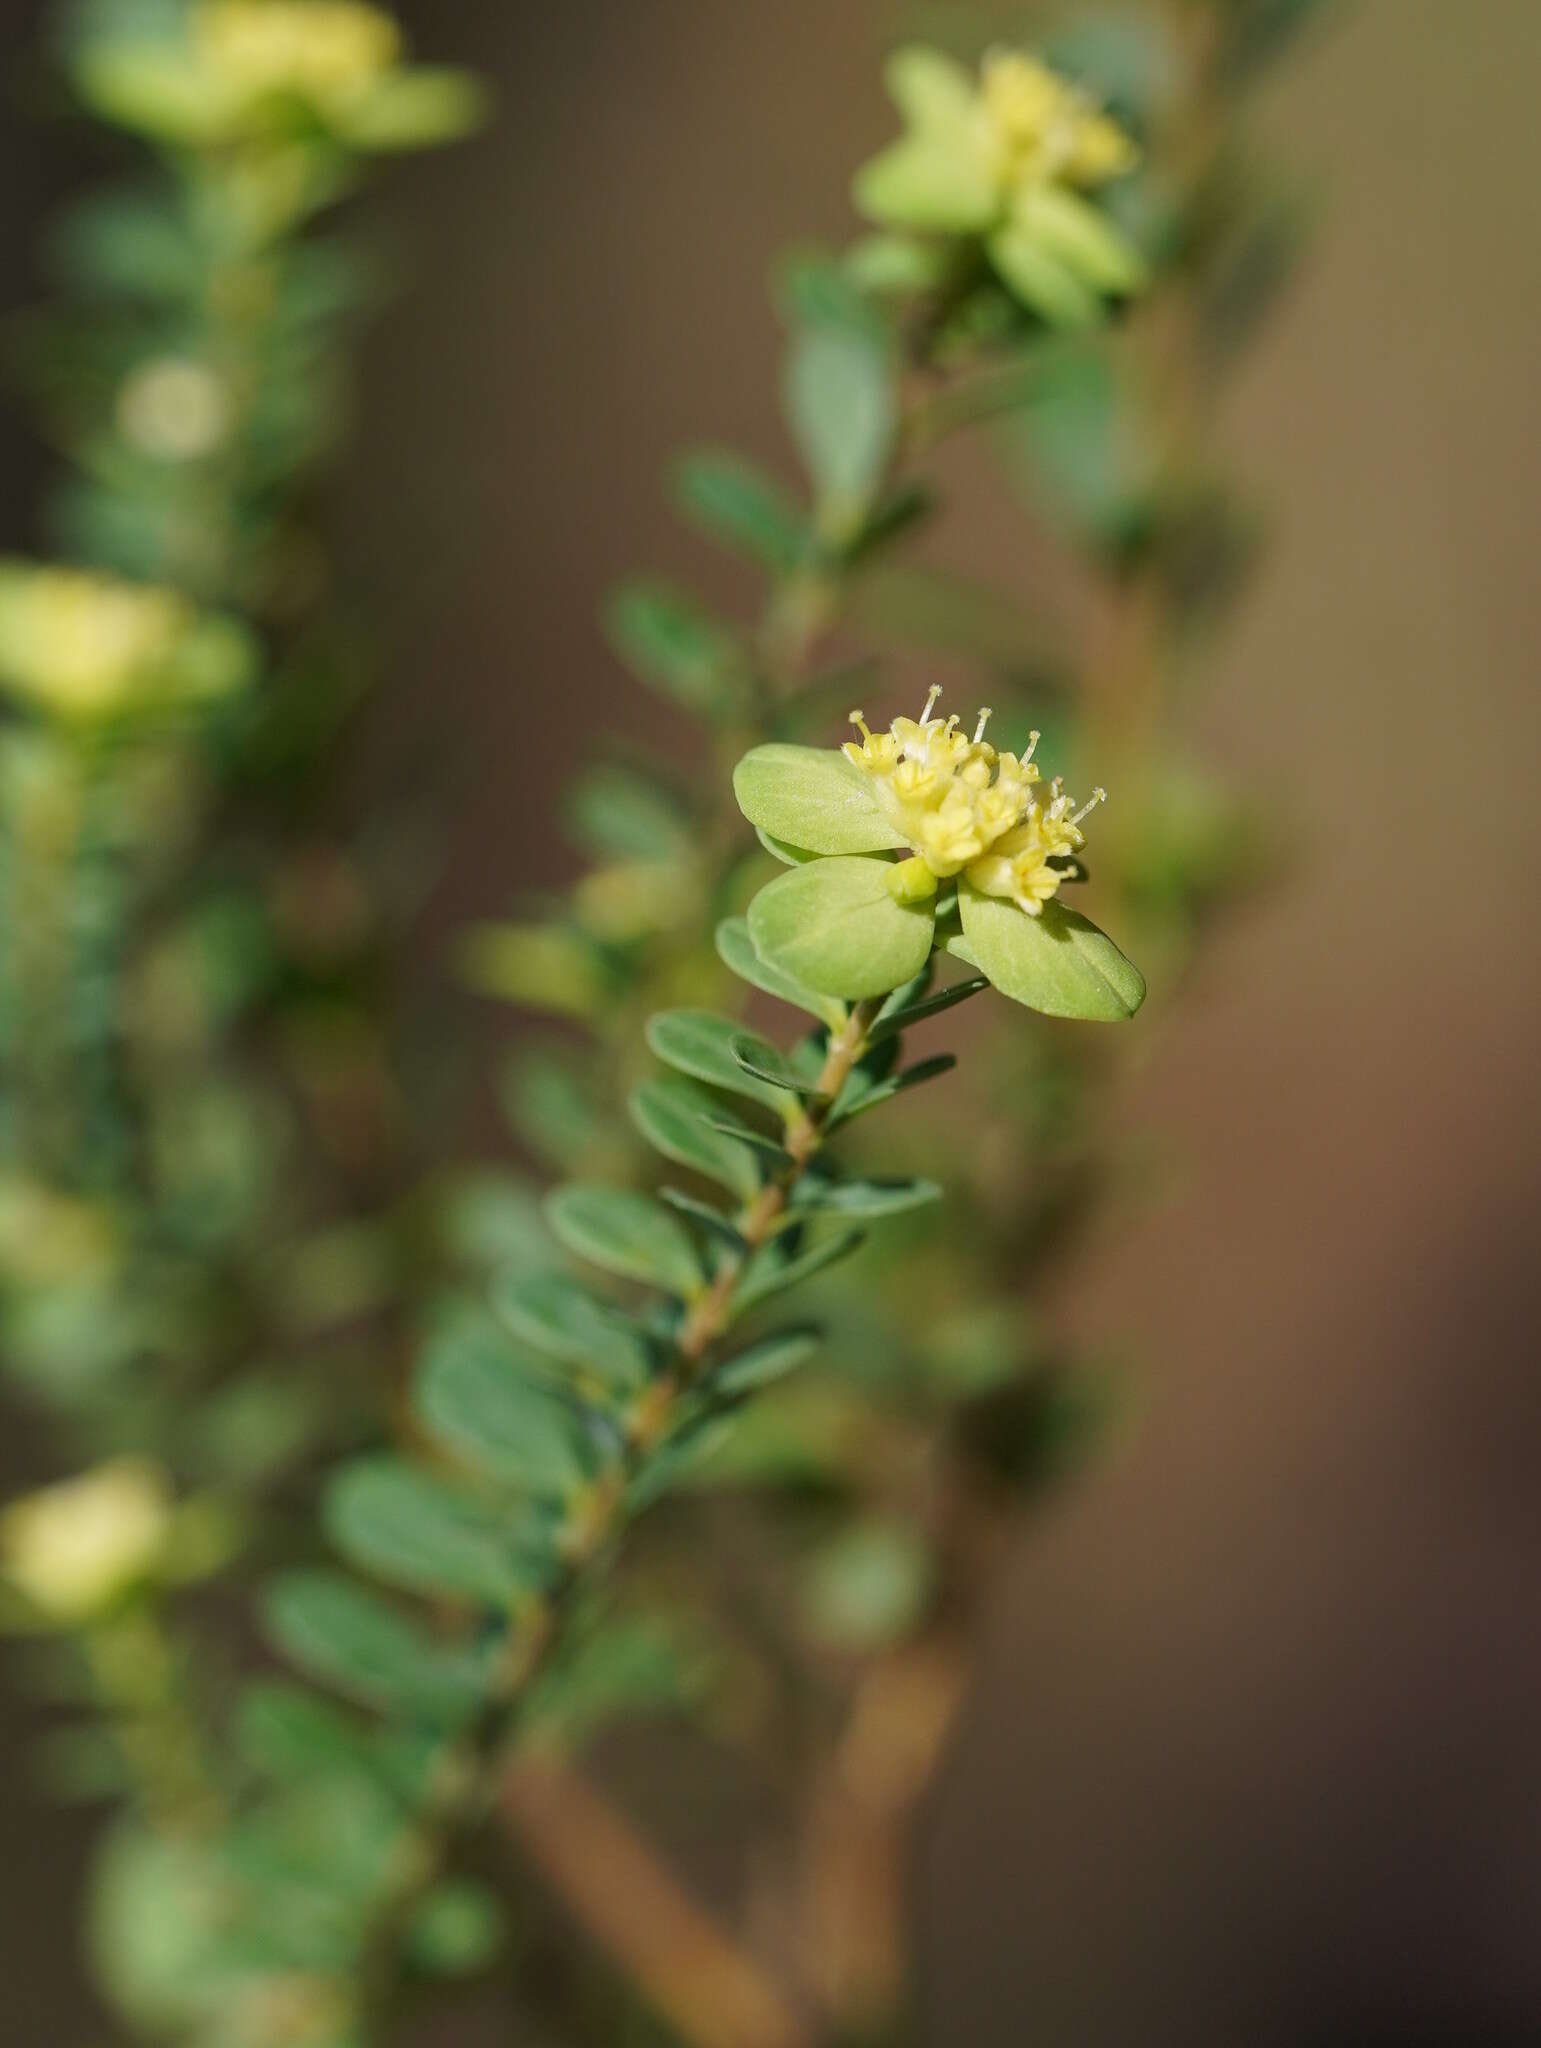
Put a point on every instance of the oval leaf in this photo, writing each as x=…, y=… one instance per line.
x=812, y=797
x=841, y=404
x=938, y=181
x=1044, y=283
x=1082, y=237
x=736, y=949
x=776, y=1267
x=673, y=1115
x=423, y=1534
x=738, y=505
x=1059, y=962
x=701, y=1044
x=626, y=1233
x=667, y=640
x=561, y=1319
x=771, y=1358
x=472, y=1396
x=866, y=1199
x=358, y=1645
x=835, y=926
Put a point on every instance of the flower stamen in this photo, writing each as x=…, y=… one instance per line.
x=963, y=808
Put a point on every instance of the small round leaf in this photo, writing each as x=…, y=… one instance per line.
x=835, y=926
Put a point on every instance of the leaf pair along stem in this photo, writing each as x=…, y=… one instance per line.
x=469, y=1774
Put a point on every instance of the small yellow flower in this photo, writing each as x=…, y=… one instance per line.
x=84, y=646
x=76, y=1549
x=1043, y=129
x=270, y=73
x=174, y=409
x=325, y=51
x=964, y=808
x=1010, y=155
x=48, y=1239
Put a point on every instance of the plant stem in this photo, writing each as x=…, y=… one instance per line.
x=468, y=1775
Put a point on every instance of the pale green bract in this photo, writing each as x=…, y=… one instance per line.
x=831, y=924
x=813, y=798
x=1057, y=962
x=1001, y=161
x=835, y=925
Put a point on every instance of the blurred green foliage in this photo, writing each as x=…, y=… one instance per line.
x=216, y=1247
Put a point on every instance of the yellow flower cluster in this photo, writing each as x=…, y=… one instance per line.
x=1043, y=129
x=84, y=646
x=79, y=641
x=966, y=809
x=322, y=50
x=76, y=1549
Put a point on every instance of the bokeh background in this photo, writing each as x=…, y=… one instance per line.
x=1253, y=1754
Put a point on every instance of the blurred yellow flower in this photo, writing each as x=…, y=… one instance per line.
x=324, y=51
x=1008, y=156
x=74, y=1550
x=83, y=646
x=964, y=808
x=174, y=409
x=273, y=73
x=48, y=1239
x=1042, y=127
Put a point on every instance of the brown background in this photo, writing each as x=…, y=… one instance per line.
x=1253, y=1752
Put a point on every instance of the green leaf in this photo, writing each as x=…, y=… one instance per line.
x=896, y=265
x=129, y=243
x=153, y=1926
x=935, y=181
x=1087, y=448
x=865, y=1199
x=423, y=1534
x=1059, y=962
x=704, y=1045
x=870, y=1586
x=670, y=643
x=776, y=1267
x=475, y=1399
x=561, y=1319
x=812, y=797
x=417, y=108
x=930, y=89
x=623, y=814
x=632, y=1665
x=779, y=849
x=758, y=1057
x=718, y=1227
x=735, y=503
x=538, y=966
x=1043, y=282
x=626, y=1233
x=151, y=87
x=770, y=1358
x=546, y=1091
x=356, y=1644
x=491, y=1220
x=892, y=1022
x=736, y=949
x=766, y=1148
x=674, y=1116
x=835, y=926
x=1081, y=237
x=857, y=1100
x=286, y=1731
x=456, y=1930
x=842, y=408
